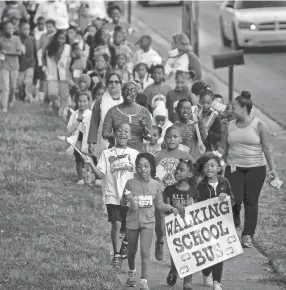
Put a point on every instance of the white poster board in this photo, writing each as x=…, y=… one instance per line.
x=205, y=237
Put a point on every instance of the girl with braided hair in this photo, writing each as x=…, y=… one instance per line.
x=144, y=194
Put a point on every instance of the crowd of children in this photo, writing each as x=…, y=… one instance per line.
x=70, y=68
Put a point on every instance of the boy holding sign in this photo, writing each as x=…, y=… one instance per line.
x=116, y=166
x=179, y=196
x=212, y=185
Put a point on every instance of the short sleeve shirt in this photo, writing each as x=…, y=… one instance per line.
x=118, y=166
x=12, y=44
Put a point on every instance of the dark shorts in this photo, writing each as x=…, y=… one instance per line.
x=116, y=213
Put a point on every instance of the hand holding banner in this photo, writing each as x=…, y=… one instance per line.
x=204, y=237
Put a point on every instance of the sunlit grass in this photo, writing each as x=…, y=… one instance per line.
x=51, y=234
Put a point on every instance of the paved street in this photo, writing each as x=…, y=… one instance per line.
x=264, y=72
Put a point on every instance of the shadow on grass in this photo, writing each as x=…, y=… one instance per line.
x=51, y=231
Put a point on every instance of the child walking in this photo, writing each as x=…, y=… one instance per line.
x=141, y=75
x=167, y=161
x=212, y=121
x=181, y=91
x=187, y=124
x=78, y=125
x=121, y=68
x=28, y=62
x=101, y=69
x=159, y=86
x=11, y=49
x=160, y=119
x=180, y=195
x=211, y=186
x=153, y=146
x=115, y=167
x=145, y=195
x=146, y=54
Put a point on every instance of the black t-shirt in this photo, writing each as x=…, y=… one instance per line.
x=179, y=196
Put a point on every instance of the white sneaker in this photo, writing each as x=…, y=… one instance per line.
x=217, y=286
x=80, y=182
x=144, y=285
x=5, y=111
x=208, y=280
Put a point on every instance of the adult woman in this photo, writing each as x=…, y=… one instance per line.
x=246, y=145
x=56, y=62
x=181, y=57
x=128, y=112
x=110, y=98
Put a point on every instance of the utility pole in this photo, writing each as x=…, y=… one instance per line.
x=129, y=13
x=190, y=23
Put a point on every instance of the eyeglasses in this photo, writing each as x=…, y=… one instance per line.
x=114, y=83
x=129, y=91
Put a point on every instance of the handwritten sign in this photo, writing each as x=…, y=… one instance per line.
x=204, y=237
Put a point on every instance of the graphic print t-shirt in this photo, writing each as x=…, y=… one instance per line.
x=178, y=196
x=167, y=162
x=118, y=165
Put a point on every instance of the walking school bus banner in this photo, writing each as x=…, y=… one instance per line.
x=204, y=237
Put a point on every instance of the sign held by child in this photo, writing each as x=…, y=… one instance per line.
x=203, y=237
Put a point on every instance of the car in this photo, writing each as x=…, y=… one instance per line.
x=253, y=23
x=147, y=3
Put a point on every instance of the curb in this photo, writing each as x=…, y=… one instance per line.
x=164, y=41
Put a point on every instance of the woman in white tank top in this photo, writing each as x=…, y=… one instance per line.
x=246, y=147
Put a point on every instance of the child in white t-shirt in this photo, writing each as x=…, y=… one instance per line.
x=115, y=167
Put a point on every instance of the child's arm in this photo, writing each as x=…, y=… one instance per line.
x=160, y=205
x=223, y=147
x=98, y=174
x=128, y=198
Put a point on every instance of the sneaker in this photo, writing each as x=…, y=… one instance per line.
x=208, y=281
x=5, y=111
x=124, y=250
x=187, y=287
x=144, y=285
x=80, y=182
x=131, y=279
x=117, y=261
x=172, y=277
x=159, y=251
x=246, y=241
x=217, y=286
